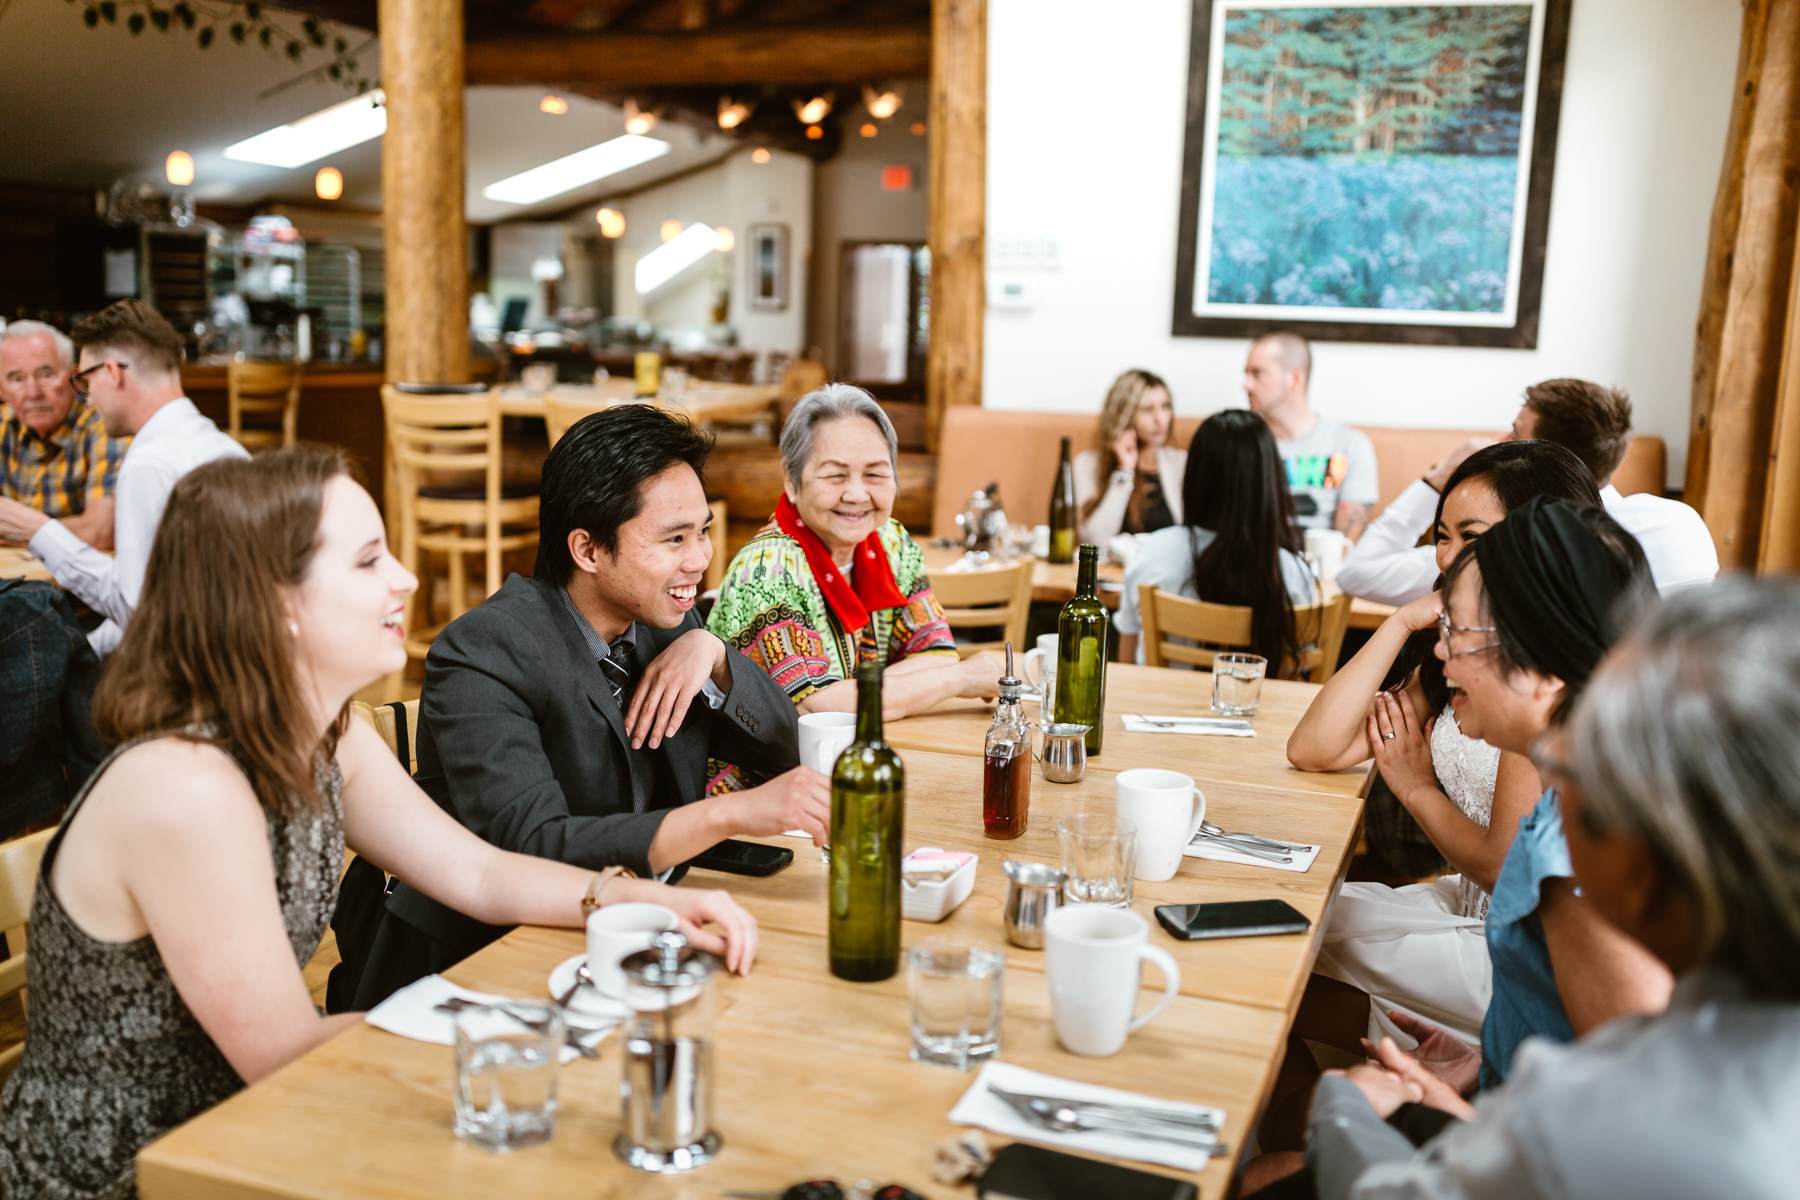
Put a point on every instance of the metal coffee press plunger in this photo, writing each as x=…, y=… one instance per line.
x=667, y=1090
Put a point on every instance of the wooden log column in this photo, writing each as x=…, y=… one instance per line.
x=1746, y=305
x=422, y=180
x=958, y=207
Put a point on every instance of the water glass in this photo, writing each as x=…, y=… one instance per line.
x=506, y=1058
x=1237, y=683
x=1099, y=858
x=956, y=1001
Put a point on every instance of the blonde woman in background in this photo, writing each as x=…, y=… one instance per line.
x=1132, y=484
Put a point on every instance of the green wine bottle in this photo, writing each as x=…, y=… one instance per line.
x=1081, y=653
x=1062, y=510
x=868, y=805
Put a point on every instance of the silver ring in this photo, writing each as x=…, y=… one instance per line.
x=1388, y=736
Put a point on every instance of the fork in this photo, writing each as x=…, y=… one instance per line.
x=1266, y=853
x=1271, y=843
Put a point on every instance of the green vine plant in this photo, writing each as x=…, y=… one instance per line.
x=244, y=23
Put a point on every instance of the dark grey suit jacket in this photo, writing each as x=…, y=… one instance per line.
x=521, y=741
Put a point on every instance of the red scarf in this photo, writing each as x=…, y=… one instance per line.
x=871, y=584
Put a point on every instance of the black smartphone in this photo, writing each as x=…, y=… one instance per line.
x=743, y=858
x=1022, y=1172
x=1236, y=918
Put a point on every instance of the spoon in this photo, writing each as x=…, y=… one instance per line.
x=1209, y=828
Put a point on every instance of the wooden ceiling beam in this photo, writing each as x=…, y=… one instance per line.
x=717, y=58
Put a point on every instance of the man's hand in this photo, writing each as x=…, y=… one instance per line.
x=1125, y=449
x=796, y=799
x=1383, y=1089
x=94, y=525
x=660, y=700
x=1440, y=474
x=1432, y=1090
x=981, y=675
x=1439, y=1051
x=18, y=522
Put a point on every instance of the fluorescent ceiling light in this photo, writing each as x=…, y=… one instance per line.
x=574, y=170
x=327, y=131
x=672, y=258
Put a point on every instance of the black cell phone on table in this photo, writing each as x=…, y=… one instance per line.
x=743, y=858
x=1236, y=918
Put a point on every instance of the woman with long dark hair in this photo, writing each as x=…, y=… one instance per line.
x=1417, y=951
x=195, y=874
x=1238, y=545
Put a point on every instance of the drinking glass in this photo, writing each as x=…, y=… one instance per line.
x=1237, y=683
x=1099, y=857
x=956, y=1001
x=506, y=1058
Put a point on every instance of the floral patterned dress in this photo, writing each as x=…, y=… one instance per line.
x=113, y=1056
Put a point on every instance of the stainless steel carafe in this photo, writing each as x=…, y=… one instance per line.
x=667, y=1088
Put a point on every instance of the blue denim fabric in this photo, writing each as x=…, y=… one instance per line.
x=48, y=747
x=1525, y=1002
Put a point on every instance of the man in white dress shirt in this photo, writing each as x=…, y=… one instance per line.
x=1594, y=423
x=130, y=370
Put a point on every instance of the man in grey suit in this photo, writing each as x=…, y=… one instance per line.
x=572, y=716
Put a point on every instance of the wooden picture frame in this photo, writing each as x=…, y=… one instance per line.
x=1356, y=201
x=769, y=267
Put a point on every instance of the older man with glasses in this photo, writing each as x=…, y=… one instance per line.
x=55, y=453
x=130, y=370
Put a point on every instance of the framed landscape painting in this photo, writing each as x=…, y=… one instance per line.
x=1369, y=171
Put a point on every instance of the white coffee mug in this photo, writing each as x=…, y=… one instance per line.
x=823, y=736
x=619, y=930
x=1093, y=955
x=1327, y=548
x=1167, y=809
x=1040, y=666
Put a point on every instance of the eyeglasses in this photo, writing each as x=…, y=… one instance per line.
x=79, y=378
x=1445, y=629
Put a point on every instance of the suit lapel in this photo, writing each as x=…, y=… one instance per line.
x=599, y=694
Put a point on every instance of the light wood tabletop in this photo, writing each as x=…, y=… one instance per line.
x=957, y=727
x=1054, y=583
x=812, y=1080
x=701, y=401
x=16, y=562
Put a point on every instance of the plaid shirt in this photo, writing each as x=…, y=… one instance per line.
x=58, y=475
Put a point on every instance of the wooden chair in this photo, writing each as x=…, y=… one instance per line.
x=1209, y=629
x=560, y=413
x=19, y=860
x=997, y=596
x=444, y=450
x=398, y=724
x=263, y=390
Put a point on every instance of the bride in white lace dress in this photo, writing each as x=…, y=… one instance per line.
x=1420, y=948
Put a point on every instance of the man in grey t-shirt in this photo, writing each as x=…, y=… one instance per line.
x=1330, y=467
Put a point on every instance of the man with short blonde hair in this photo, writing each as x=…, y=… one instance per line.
x=55, y=453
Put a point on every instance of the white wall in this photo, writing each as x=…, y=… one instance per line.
x=1084, y=146
x=735, y=194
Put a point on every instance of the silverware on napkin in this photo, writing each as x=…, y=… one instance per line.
x=1064, y=1116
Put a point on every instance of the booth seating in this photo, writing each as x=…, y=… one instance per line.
x=1017, y=449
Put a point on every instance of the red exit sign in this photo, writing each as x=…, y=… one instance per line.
x=896, y=177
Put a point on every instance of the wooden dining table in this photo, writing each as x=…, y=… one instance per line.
x=16, y=562
x=813, y=1077
x=1054, y=583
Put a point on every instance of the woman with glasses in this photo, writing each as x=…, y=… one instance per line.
x=1393, y=956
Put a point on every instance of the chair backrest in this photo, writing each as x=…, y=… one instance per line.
x=560, y=413
x=19, y=862
x=263, y=389
x=986, y=599
x=1207, y=629
x=802, y=375
x=398, y=724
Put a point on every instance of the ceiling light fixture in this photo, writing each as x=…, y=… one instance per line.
x=725, y=240
x=918, y=128
x=732, y=113
x=868, y=130
x=760, y=155
x=328, y=183
x=670, y=230
x=178, y=168
x=574, y=170
x=311, y=138
x=812, y=111
x=881, y=105
x=612, y=222
x=556, y=106
x=638, y=120
x=672, y=258
x=814, y=133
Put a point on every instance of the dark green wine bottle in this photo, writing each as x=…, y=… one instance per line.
x=1062, y=510
x=1081, y=653
x=868, y=806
